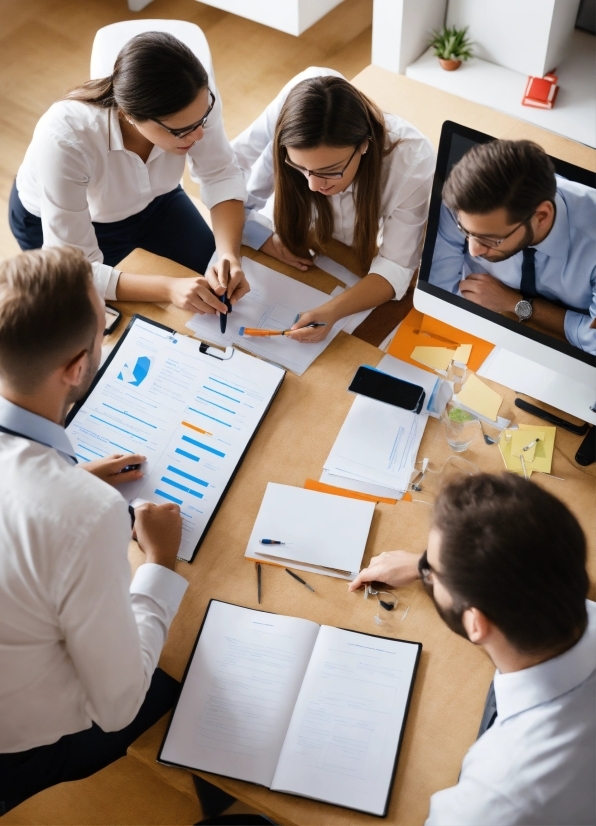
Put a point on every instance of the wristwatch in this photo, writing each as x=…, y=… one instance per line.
x=524, y=309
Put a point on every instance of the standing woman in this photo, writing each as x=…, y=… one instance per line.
x=103, y=171
x=337, y=168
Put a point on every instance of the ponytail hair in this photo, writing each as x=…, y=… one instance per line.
x=155, y=76
x=328, y=111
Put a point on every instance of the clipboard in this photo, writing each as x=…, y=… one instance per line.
x=194, y=444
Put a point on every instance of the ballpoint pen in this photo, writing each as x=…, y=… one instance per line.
x=271, y=542
x=255, y=331
x=299, y=579
x=527, y=447
x=223, y=317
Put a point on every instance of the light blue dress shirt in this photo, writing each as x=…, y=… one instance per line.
x=565, y=261
x=35, y=427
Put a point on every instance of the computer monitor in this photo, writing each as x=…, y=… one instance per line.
x=527, y=359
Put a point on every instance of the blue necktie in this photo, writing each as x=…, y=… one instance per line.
x=528, y=273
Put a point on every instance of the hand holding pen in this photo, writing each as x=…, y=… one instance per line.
x=304, y=329
x=228, y=282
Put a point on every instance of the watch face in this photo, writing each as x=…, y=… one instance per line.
x=523, y=310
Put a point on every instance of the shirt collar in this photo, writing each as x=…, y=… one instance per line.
x=522, y=690
x=36, y=428
x=116, y=141
x=556, y=243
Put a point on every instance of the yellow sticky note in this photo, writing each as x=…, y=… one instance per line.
x=479, y=397
x=543, y=455
x=438, y=358
x=463, y=353
x=520, y=439
x=512, y=463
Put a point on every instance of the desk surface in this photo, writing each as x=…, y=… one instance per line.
x=290, y=447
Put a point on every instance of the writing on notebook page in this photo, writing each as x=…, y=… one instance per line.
x=246, y=691
x=358, y=689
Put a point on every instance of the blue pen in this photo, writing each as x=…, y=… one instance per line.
x=271, y=542
x=223, y=317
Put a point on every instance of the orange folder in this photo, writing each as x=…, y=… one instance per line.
x=419, y=330
x=322, y=487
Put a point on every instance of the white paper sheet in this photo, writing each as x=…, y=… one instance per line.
x=190, y=414
x=239, y=693
x=273, y=303
x=319, y=530
x=345, y=730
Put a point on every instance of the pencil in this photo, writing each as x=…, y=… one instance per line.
x=258, y=564
x=299, y=579
x=256, y=331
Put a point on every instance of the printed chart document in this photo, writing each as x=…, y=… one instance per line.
x=191, y=414
x=300, y=708
x=321, y=532
x=273, y=303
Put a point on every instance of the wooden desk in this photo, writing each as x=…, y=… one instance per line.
x=290, y=447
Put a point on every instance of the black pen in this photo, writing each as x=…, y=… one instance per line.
x=223, y=317
x=258, y=564
x=291, y=573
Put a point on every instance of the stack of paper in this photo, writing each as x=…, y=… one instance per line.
x=318, y=532
x=539, y=442
x=376, y=448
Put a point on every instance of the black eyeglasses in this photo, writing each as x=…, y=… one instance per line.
x=425, y=570
x=325, y=175
x=492, y=243
x=186, y=130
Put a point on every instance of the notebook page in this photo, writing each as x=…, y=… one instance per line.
x=238, y=695
x=344, y=733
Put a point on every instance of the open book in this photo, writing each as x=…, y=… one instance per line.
x=298, y=707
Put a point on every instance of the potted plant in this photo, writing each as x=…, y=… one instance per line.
x=451, y=46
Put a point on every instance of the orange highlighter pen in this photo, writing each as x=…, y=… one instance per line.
x=255, y=331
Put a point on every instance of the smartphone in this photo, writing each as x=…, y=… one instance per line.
x=385, y=388
x=112, y=319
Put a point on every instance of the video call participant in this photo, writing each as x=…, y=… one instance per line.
x=514, y=237
x=337, y=168
x=79, y=643
x=103, y=171
x=506, y=569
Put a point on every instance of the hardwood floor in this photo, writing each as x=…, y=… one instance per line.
x=45, y=47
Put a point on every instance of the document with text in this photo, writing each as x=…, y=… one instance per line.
x=297, y=707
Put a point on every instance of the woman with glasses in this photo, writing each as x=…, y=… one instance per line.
x=324, y=162
x=103, y=171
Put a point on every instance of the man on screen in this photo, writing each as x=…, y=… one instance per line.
x=516, y=238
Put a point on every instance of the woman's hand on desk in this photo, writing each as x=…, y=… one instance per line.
x=394, y=568
x=226, y=276
x=194, y=295
x=111, y=469
x=323, y=315
x=158, y=530
x=274, y=247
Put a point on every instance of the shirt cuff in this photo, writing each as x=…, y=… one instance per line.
x=160, y=583
x=234, y=189
x=399, y=277
x=112, y=284
x=255, y=234
x=102, y=278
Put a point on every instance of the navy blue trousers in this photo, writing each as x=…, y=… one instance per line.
x=170, y=226
x=74, y=756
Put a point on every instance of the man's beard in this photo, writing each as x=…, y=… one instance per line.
x=78, y=392
x=452, y=617
x=525, y=242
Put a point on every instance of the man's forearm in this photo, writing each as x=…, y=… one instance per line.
x=549, y=317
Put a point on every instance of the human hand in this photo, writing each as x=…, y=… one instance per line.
x=489, y=292
x=194, y=295
x=274, y=247
x=109, y=469
x=226, y=276
x=300, y=331
x=394, y=568
x=158, y=530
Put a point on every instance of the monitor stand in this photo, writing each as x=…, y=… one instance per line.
x=532, y=379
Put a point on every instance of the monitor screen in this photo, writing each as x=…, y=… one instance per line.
x=565, y=265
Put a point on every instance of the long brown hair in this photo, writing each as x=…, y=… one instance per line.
x=155, y=75
x=328, y=111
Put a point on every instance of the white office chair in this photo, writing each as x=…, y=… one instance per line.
x=109, y=40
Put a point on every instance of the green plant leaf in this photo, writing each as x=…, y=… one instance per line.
x=456, y=414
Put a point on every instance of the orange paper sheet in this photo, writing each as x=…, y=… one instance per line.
x=419, y=330
x=322, y=487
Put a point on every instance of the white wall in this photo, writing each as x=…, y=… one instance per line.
x=528, y=36
x=401, y=30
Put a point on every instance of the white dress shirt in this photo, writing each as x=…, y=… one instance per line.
x=76, y=170
x=406, y=180
x=565, y=261
x=537, y=763
x=78, y=642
